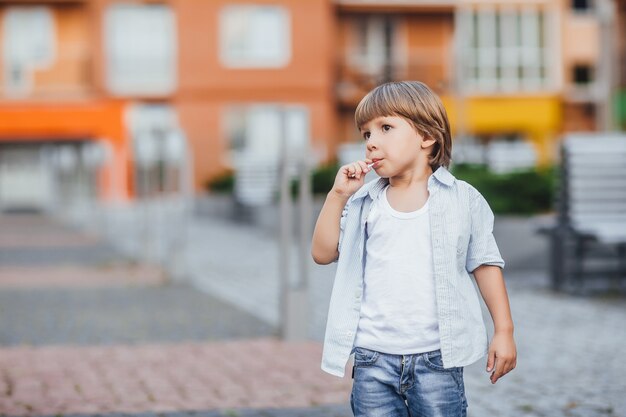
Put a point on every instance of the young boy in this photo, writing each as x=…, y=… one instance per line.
x=403, y=301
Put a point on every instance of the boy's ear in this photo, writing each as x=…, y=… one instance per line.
x=427, y=143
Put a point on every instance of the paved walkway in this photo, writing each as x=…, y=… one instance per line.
x=131, y=315
x=191, y=377
x=102, y=335
x=568, y=346
x=569, y=361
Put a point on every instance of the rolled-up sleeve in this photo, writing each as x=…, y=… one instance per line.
x=482, y=248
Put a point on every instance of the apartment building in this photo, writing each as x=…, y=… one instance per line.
x=112, y=99
x=510, y=71
x=251, y=71
x=385, y=41
x=81, y=81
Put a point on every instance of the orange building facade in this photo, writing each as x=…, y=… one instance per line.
x=63, y=133
x=108, y=90
x=241, y=63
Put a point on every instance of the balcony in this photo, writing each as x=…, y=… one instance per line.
x=397, y=5
x=357, y=75
x=70, y=77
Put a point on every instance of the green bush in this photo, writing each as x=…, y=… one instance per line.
x=324, y=178
x=525, y=192
x=223, y=183
x=522, y=192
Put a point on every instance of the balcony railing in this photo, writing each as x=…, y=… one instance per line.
x=70, y=75
x=357, y=75
x=445, y=5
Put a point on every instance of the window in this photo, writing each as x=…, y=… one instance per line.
x=582, y=74
x=254, y=36
x=257, y=136
x=256, y=130
x=140, y=49
x=487, y=52
x=373, y=51
x=581, y=5
x=507, y=48
x=159, y=149
x=510, y=44
x=29, y=44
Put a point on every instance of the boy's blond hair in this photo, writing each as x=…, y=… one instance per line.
x=415, y=102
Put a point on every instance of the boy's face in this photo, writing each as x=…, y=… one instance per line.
x=398, y=147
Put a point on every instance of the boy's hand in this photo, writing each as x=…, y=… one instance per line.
x=502, y=352
x=351, y=177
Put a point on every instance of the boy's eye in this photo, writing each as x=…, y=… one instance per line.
x=366, y=135
x=386, y=128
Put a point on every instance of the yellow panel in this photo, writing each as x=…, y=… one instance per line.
x=508, y=114
x=536, y=117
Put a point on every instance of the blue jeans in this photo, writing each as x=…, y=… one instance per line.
x=406, y=385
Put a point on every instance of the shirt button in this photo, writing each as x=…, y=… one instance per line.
x=357, y=294
x=349, y=333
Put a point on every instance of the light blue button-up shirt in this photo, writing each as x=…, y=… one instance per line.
x=461, y=225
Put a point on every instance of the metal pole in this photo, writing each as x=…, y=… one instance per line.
x=145, y=176
x=606, y=15
x=181, y=206
x=285, y=230
x=163, y=252
x=300, y=296
x=305, y=200
x=294, y=293
x=188, y=189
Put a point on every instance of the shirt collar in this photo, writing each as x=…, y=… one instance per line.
x=442, y=175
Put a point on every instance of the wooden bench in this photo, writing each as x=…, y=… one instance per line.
x=588, y=239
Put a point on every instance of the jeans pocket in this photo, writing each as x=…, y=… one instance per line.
x=364, y=357
x=434, y=361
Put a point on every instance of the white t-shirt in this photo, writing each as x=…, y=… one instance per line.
x=398, y=309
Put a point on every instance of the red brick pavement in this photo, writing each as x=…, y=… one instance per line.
x=36, y=231
x=119, y=275
x=258, y=373
x=45, y=240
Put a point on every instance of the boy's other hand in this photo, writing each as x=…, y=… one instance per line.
x=351, y=177
x=502, y=354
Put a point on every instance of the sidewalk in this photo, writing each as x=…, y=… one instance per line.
x=105, y=336
x=566, y=344
x=192, y=378
x=559, y=372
